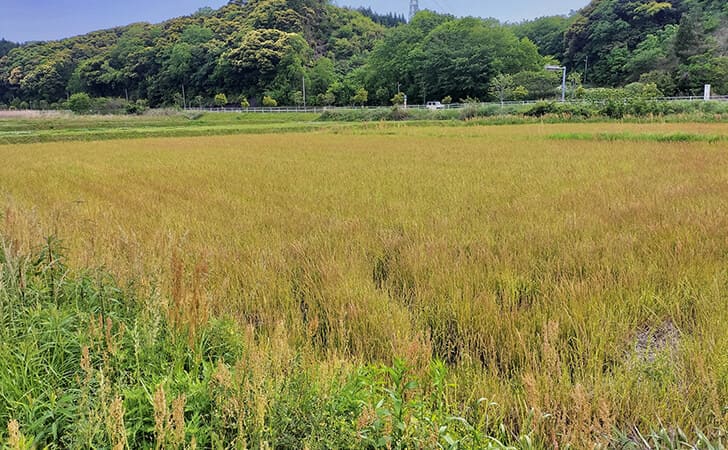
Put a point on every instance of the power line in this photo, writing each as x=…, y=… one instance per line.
x=445, y=8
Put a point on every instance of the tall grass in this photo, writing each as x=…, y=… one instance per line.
x=87, y=364
x=578, y=286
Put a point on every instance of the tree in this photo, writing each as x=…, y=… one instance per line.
x=80, y=103
x=297, y=98
x=269, y=102
x=540, y=84
x=221, y=100
x=361, y=97
x=501, y=87
x=547, y=33
x=326, y=99
x=398, y=99
x=6, y=46
x=456, y=57
x=690, y=37
x=607, y=31
x=519, y=93
x=320, y=77
x=574, y=84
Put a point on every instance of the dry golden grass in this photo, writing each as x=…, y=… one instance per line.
x=586, y=281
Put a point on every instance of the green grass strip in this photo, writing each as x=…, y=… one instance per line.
x=640, y=137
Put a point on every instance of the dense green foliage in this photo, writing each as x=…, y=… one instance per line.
x=262, y=47
x=547, y=33
x=638, y=109
x=6, y=46
x=437, y=56
x=679, y=45
x=270, y=48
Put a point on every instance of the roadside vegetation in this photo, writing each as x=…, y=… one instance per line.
x=615, y=109
x=379, y=286
x=32, y=127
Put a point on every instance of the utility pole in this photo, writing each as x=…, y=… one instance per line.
x=586, y=67
x=413, y=9
x=304, y=92
x=184, y=98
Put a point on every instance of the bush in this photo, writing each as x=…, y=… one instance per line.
x=80, y=103
x=269, y=102
x=541, y=109
x=138, y=107
x=221, y=100
x=397, y=114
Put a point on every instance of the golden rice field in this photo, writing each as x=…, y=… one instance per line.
x=581, y=286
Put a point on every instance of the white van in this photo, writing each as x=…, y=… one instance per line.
x=435, y=105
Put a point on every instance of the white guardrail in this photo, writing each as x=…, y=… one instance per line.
x=321, y=109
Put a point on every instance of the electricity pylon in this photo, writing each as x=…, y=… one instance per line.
x=414, y=8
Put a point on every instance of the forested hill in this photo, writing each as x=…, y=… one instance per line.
x=679, y=45
x=245, y=48
x=253, y=49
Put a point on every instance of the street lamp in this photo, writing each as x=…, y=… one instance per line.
x=563, y=80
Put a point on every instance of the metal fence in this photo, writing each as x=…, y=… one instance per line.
x=322, y=109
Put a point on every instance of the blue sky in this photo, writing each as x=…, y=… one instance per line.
x=26, y=20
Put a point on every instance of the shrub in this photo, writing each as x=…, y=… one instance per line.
x=269, y=102
x=221, y=100
x=397, y=114
x=80, y=103
x=541, y=109
x=138, y=107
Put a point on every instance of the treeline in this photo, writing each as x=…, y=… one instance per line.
x=6, y=46
x=388, y=20
x=267, y=49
